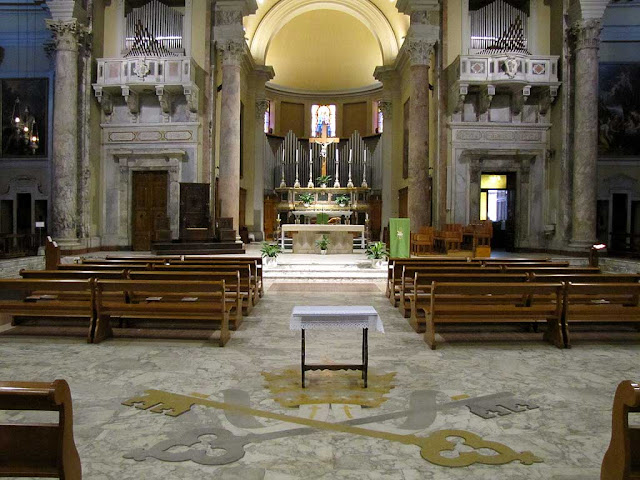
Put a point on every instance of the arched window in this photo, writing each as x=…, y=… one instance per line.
x=323, y=115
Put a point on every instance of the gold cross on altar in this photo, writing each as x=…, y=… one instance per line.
x=324, y=141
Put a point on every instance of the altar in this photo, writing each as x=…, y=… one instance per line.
x=305, y=236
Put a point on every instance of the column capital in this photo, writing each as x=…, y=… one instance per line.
x=66, y=33
x=419, y=50
x=261, y=107
x=232, y=51
x=386, y=106
x=586, y=33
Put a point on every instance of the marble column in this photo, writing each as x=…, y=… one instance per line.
x=229, y=183
x=64, y=167
x=388, y=204
x=586, y=34
x=419, y=201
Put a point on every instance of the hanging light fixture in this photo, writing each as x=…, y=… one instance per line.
x=26, y=136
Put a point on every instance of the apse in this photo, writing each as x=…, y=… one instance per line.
x=324, y=50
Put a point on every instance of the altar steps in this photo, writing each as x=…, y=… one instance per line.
x=357, y=243
x=337, y=272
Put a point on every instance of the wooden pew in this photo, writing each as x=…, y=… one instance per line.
x=195, y=301
x=113, y=261
x=248, y=282
x=255, y=262
x=403, y=292
x=49, y=299
x=600, y=302
x=74, y=274
x=495, y=303
x=38, y=449
x=419, y=294
x=103, y=267
x=51, y=254
x=231, y=281
x=394, y=272
x=622, y=459
x=550, y=270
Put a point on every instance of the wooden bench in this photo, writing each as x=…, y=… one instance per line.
x=495, y=303
x=403, y=291
x=600, y=302
x=248, y=282
x=231, y=281
x=622, y=459
x=419, y=293
x=103, y=266
x=550, y=270
x=194, y=301
x=74, y=274
x=38, y=449
x=48, y=299
x=52, y=254
x=407, y=272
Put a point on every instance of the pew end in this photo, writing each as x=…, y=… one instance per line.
x=38, y=450
x=622, y=459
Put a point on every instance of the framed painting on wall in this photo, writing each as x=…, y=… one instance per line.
x=23, y=117
x=619, y=109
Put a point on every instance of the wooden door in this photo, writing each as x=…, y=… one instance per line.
x=194, y=206
x=149, y=203
x=403, y=202
x=270, y=215
x=375, y=216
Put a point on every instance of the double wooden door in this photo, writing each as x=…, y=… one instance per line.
x=149, y=206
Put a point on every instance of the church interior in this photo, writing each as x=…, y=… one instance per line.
x=457, y=179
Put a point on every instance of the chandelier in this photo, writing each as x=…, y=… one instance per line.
x=25, y=130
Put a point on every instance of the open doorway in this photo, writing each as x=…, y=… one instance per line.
x=497, y=203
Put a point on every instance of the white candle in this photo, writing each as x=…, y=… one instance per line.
x=296, y=155
x=350, y=154
x=337, y=155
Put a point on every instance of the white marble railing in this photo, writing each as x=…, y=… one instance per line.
x=505, y=68
x=145, y=70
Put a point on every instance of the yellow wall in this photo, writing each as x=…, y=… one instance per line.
x=543, y=25
x=454, y=30
x=324, y=50
x=199, y=19
x=111, y=41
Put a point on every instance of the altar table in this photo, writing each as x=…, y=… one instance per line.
x=336, y=318
x=304, y=237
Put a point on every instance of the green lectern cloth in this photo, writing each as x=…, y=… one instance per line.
x=400, y=235
x=322, y=219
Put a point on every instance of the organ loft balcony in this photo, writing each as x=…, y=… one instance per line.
x=155, y=61
x=526, y=78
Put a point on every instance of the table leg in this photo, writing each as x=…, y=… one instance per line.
x=302, y=358
x=365, y=360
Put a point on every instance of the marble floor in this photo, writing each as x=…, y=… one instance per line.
x=569, y=430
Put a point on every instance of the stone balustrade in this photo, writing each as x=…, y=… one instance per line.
x=505, y=68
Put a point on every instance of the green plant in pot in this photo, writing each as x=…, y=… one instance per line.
x=306, y=198
x=323, y=180
x=377, y=252
x=323, y=242
x=342, y=200
x=270, y=253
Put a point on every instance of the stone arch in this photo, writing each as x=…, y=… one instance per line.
x=285, y=11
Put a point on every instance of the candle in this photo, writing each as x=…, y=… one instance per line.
x=296, y=155
x=350, y=154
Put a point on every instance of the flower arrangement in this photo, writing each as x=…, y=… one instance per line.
x=306, y=198
x=342, y=200
x=377, y=251
x=323, y=242
x=323, y=180
x=270, y=250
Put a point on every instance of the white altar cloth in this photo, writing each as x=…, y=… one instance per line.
x=335, y=317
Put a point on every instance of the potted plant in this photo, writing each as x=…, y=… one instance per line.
x=270, y=253
x=342, y=200
x=323, y=243
x=323, y=180
x=306, y=198
x=377, y=253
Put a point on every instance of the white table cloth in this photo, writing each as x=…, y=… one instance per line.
x=312, y=317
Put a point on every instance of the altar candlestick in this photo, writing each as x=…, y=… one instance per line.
x=283, y=184
x=310, y=184
x=364, y=170
x=350, y=182
x=337, y=182
x=297, y=183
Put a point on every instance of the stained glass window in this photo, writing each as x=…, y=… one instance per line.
x=267, y=118
x=379, y=127
x=323, y=115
